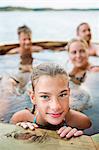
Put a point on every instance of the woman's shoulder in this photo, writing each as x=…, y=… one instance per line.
x=22, y=116
x=93, y=68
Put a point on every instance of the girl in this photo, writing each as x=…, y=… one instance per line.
x=51, y=100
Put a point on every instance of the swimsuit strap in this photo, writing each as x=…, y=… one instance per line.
x=34, y=120
x=49, y=126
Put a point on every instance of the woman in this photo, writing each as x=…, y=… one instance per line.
x=78, y=55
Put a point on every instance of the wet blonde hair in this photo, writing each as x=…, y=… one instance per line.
x=25, y=29
x=49, y=69
x=77, y=40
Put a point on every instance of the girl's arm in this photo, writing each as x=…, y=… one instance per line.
x=24, y=119
x=75, y=121
x=78, y=120
x=22, y=116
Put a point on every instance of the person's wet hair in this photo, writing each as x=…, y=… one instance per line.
x=25, y=29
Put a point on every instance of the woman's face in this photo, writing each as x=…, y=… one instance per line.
x=78, y=54
x=51, y=96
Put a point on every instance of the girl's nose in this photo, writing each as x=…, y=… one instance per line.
x=55, y=105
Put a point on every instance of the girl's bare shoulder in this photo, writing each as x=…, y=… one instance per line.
x=73, y=114
x=22, y=116
x=78, y=119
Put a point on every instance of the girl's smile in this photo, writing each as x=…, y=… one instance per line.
x=53, y=115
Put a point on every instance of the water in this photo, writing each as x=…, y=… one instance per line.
x=45, y=26
x=9, y=65
x=92, y=84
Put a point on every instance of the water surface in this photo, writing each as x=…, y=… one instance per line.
x=9, y=66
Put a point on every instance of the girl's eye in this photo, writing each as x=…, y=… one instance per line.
x=44, y=97
x=63, y=95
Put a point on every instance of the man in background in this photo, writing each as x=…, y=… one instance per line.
x=25, y=48
x=25, y=52
x=84, y=32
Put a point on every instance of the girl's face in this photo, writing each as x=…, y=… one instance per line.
x=78, y=54
x=51, y=97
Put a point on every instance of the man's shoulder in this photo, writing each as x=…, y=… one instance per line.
x=95, y=45
x=14, y=50
x=93, y=48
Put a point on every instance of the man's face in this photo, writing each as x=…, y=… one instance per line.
x=84, y=32
x=25, y=40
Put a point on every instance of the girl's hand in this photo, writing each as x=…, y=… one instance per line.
x=27, y=125
x=69, y=132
